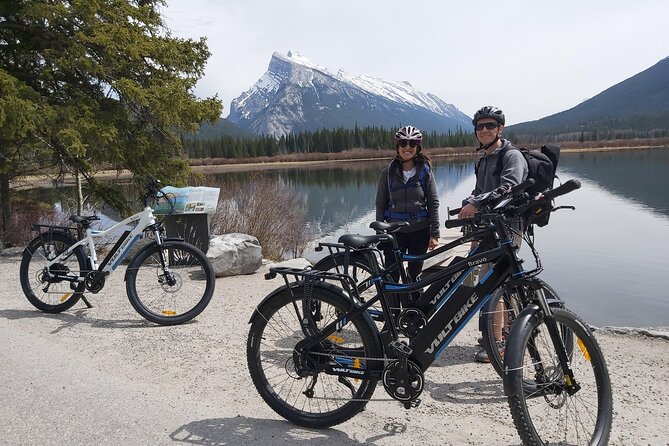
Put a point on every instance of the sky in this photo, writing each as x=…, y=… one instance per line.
x=529, y=58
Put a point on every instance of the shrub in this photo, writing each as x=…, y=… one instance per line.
x=266, y=208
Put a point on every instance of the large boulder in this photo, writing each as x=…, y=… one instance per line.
x=234, y=254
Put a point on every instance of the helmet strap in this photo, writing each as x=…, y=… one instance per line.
x=487, y=146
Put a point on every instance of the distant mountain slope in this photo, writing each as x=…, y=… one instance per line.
x=297, y=95
x=222, y=128
x=640, y=102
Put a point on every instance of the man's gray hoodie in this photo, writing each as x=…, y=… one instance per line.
x=514, y=171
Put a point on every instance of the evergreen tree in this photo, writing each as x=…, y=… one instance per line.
x=103, y=85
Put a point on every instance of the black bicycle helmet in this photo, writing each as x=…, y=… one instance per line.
x=491, y=112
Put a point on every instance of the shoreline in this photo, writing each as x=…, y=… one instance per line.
x=37, y=181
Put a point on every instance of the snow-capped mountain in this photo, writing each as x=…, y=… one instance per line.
x=296, y=94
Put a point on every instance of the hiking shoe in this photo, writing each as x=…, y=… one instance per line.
x=482, y=355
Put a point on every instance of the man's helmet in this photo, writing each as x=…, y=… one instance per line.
x=408, y=133
x=491, y=112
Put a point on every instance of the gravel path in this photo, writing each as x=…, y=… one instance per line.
x=105, y=376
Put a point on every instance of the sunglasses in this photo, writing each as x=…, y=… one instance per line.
x=486, y=125
x=412, y=144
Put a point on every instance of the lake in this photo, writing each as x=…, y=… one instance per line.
x=608, y=259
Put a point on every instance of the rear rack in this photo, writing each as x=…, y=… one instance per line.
x=309, y=275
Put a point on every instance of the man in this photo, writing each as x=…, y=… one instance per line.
x=489, y=124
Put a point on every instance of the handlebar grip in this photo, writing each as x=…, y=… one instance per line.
x=518, y=188
x=567, y=187
x=457, y=222
x=452, y=212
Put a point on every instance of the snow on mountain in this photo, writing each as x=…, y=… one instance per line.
x=296, y=94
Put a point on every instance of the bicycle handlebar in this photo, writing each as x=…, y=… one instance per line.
x=563, y=189
x=498, y=194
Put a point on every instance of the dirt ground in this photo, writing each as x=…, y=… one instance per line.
x=105, y=376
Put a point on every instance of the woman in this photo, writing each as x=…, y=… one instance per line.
x=407, y=192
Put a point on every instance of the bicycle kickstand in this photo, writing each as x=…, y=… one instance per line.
x=88, y=304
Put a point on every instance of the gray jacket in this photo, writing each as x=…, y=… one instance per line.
x=409, y=199
x=514, y=171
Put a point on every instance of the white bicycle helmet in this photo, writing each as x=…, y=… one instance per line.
x=408, y=133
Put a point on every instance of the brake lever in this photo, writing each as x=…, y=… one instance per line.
x=573, y=208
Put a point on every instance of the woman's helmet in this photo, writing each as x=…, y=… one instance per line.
x=491, y=112
x=408, y=133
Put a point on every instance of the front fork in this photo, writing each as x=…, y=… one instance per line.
x=571, y=386
x=158, y=233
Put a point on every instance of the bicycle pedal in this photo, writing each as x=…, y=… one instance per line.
x=401, y=347
x=412, y=404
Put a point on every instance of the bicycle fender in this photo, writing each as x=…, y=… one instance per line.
x=513, y=355
x=37, y=241
x=297, y=285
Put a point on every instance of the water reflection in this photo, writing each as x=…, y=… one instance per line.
x=639, y=175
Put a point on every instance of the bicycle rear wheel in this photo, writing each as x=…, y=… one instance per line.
x=498, y=315
x=173, y=294
x=543, y=409
x=41, y=285
x=293, y=384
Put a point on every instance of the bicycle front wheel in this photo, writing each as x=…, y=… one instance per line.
x=172, y=292
x=497, y=316
x=294, y=384
x=545, y=409
x=58, y=287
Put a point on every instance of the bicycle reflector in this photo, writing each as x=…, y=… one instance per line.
x=586, y=355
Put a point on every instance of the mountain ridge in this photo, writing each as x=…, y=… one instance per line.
x=295, y=94
x=640, y=102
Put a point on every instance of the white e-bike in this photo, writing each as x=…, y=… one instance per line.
x=168, y=281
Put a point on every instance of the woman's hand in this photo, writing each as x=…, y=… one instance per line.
x=433, y=243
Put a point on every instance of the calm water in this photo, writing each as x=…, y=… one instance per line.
x=609, y=259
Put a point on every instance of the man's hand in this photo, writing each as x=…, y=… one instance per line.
x=467, y=211
x=433, y=243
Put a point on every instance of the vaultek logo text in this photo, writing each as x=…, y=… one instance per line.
x=447, y=330
x=446, y=287
x=342, y=370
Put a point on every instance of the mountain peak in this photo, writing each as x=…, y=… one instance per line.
x=296, y=94
x=296, y=58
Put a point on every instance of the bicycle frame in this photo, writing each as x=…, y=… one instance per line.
x=445, y=323
x=120, y=250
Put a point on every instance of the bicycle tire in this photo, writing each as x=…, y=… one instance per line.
x=155, y=298
x=276, y=329
x=543, y=412
x=57, y=296
x=512, y=307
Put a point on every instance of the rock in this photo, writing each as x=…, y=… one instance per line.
x=300, y=263
x=233, y=254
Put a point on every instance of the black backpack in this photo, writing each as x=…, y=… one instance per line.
x=541, y=165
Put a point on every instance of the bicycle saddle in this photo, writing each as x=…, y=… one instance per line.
x=84, y=220
x=382, y=226
x=358, y=241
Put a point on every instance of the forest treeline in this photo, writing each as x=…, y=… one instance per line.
x=340, y=139
x=320, y=141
